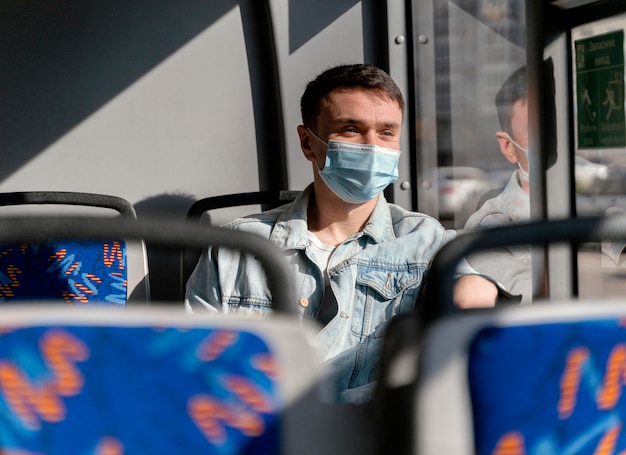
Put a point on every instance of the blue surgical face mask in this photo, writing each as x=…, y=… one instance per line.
x=358, y=172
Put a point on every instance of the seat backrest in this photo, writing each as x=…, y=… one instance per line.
x=524, y=380
x=542, y=378
x=157, y=380
x=572, y=367
x=111, y=271
x=268, y=199
x=78, y=272
x=68, y=198
x=154, y=380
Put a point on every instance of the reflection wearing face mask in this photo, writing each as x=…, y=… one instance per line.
x=358, y=172
x=523, y=149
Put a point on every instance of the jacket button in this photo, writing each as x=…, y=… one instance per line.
x=304, y=302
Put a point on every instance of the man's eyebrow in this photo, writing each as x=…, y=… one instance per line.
x=346, y=120
x=392, y=125
x=351, y=121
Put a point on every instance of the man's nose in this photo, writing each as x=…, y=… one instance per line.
x=369, y=137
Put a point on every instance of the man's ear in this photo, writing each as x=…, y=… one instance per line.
x=506, y=147
x=306, y=143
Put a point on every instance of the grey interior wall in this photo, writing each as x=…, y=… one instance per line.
x=127, y=98
x=149, y=98
x=157, y=101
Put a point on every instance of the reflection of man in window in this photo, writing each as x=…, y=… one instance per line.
x=511, y=266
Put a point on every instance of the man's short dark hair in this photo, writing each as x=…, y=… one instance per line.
x=363, y=76
x=514, y=89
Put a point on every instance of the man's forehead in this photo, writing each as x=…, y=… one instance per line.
x=331, y=96
x=334, y=107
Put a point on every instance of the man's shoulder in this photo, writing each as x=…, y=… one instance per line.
x=258, y=223
x=405, y=221
x=509, y=207
x=488, y=216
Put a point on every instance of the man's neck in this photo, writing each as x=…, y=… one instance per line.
x=333, y=220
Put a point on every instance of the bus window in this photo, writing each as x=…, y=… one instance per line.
x=462, y=58
x=599, y=145
x=472, y=125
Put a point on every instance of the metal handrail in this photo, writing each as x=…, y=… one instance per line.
x=437, y=299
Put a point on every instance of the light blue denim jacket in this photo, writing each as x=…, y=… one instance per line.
x=510, y=265
x=374, y=275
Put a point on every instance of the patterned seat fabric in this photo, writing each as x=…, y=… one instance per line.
x=137, y=390
x=550, y=388
x=78, y=272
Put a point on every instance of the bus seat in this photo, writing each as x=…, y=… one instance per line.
x=268, y=199
x=522, y=380
x=77, y=272
x=155, y=380
x=541, y=378
x=572, y=365
x=111, y=271
x=67, y=198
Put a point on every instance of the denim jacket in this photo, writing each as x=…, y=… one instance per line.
x=374, y=275
x=510, y=265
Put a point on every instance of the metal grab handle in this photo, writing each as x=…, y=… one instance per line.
x=118, y=204
x=437, y=299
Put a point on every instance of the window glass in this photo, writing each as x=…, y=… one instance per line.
x=600, y=146
x=469, y=162
x=477, y=45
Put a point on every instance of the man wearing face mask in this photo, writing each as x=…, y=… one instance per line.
x=357, y=259
x=511, y=266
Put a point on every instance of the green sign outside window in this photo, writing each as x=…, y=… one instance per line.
x=600, y=91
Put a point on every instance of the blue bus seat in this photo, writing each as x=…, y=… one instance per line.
x=169, y=233
x=542, y=379
x=113, y=271
x=93, y=379
x=539, y=379
x=77, y=272
x=154, y=380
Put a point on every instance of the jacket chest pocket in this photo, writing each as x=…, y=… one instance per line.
x=380, y=295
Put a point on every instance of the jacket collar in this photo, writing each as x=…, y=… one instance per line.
x=516, y=200
x=290, y=230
